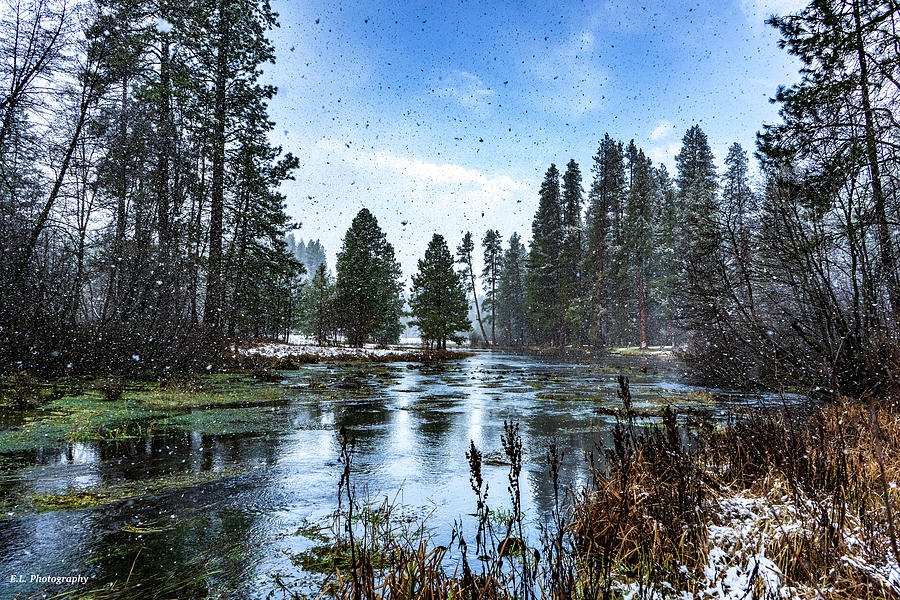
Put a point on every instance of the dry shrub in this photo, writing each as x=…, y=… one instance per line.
x=832, y=473
x=20, y=390
x=110, y=388
x=642, y=519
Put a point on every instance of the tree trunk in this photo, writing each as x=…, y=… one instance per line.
x=885, y=246
x=598, y=294
x=642, y=309
x=58, y=181
x=477, y=309
x=111, y=303
x=162, y=191
x=493, y=308
x=212, y=315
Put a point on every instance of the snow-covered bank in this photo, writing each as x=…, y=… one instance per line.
x=750, y=533
x=305, y=352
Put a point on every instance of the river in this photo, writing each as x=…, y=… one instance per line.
x=412, y=424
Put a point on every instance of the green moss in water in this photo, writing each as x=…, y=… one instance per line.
x=336, y=556
x=95, y=497
x=88, y=417
x=77, y=419
x=69, y=501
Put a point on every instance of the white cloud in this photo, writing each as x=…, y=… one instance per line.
x=388, y=165
x=466, y=89
x=662, y=130
x=665, y=154
x=411, y=197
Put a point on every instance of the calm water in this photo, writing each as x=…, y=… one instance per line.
x=413, y=425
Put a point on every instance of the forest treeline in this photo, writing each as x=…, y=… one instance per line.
x=142, y=226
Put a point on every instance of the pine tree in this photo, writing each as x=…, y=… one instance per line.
x=600, y=256
x=542, y=297
x=639, y=213
x=438, y=302
x=571, y=254
x=368, y=287
x=258, y=271
x=318, y=311
x=464, y=257
x=840, y=121
x=511, y=294
x=739, y=220
x=232, y=44
x=493, y=256
x=315, y=256
x=665, y=254
x=697, y=287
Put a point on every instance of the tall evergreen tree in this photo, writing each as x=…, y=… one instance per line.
x=464, y=257
x=318, y=316
x=840, y=120
x=697, y=288
x=368, y=286
x=739, y=220
x=666, y=244
x=438, y=302
x=605, y=195
x=571, y=254
x=640, y=211
x=511, y=294
x=232, y=45
x=542, y=294
x=493, y=257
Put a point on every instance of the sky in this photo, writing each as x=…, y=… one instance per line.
x=444, y=117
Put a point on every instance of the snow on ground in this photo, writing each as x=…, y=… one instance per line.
x=303, y=347
x=748, y=530
x=282, y=350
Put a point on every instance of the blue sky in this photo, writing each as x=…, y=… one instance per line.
x=444, y=117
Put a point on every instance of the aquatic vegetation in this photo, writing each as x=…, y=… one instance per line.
x=234, y=420
x=111, y=388
x=495, y=458
x=80, y=418
x=118, y=492
x=69, y=501
x=112, y=411
x=21, y=391
x=214, y=391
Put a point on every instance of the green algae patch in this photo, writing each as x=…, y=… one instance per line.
x=221, y=421
x=71, y=501
x=102, y=496
x=337, y=556
x=220, y=390
x=91, y=416
x=77, y=419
